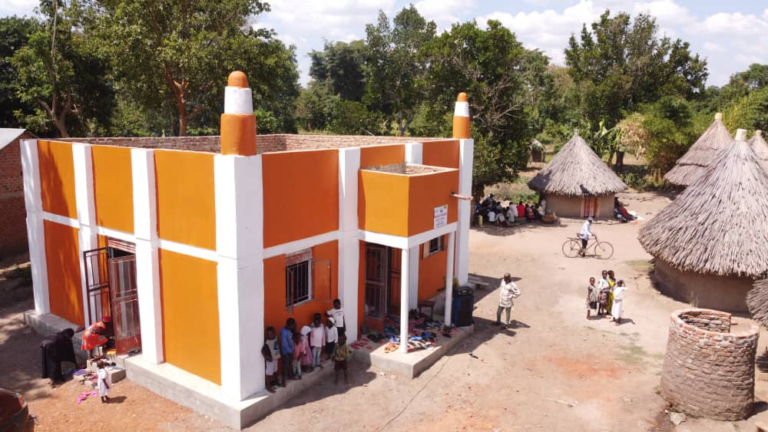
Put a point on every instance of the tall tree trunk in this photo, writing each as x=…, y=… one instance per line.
x=183, y=117
x=61, y=125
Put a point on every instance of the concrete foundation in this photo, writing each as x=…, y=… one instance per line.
x=205, y=397
x=412, y=364
x=705, y=291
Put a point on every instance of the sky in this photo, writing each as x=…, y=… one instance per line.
x=731, y=35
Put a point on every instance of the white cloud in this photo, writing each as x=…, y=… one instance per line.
x=666, y=12
x=713, y=47
x=733, y=24
x=445, y=12
x=18, y=7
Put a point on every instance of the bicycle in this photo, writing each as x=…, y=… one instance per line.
x=600, y=250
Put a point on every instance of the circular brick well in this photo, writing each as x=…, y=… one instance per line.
x=709, y=371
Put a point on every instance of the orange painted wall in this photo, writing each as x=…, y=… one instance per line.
x=186, y=210
x=432, y=271
x=57, y=178
x=113, y=187
x=441, y=153
x=382, y=155
x=275, y=312
x=62, y=255
x=190, y=303
x=427, y=192
x=301, y=195
x=383, y=203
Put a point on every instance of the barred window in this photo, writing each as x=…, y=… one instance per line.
x=436, y=245
x=298, y=281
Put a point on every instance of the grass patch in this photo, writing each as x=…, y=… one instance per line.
x=642, y=266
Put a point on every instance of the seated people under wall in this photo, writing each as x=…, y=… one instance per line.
x=56, y=349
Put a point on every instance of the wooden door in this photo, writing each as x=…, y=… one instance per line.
x=376, y=275
x=125, y=303
x=393, y=297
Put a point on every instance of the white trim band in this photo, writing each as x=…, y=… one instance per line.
x=295, y=246
x=462, y=109
x=120, y=235
x=194, y=251
x=63, y=220
x=404, y=242
x=238, y=100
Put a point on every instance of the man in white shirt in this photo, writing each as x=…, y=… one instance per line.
x=491, y=216
x=585, y=234
x=337, y=313
x=507, y=292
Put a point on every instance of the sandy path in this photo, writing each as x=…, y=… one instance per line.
x=555, y=371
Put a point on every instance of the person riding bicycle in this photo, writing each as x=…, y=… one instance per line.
x=585, y=234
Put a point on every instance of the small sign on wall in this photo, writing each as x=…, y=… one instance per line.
x=441, y=216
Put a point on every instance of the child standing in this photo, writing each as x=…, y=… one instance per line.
x=306, y=359
x=317, y=340
x=271, y=353
x=331, y=336
x=105, y=381
x=340, y=356
x=287, y=347
x=298, y=355
x=337, y=313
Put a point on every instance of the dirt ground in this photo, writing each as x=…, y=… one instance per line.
x=555, y=371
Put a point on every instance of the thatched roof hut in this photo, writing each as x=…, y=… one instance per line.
x=711, y=243
x=760, y=147
x=757, y=300
x=578, y=181
x=700, y=155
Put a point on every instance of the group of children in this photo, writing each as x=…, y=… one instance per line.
x=493, y=212
x=301, y=351
x=607, y=297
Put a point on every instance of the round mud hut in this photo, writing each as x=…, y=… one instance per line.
x=760, y=147
x=701, y=154
x=709, y=371
x=577, y=183
x=711, y=243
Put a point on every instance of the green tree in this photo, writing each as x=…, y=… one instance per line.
x=342, y=68
x=396, y=77
x=59, y=72
x=14, y=33
x=500, y=78
x=671, y=131
x=181, y=51
x=621, y=64
x=353, y=118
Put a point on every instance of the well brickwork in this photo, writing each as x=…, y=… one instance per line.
x=709, y=371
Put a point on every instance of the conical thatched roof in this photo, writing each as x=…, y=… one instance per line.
x=719, y=224
x=577, y=170
x=701, y=154
x=760, y=147
x=757, y=301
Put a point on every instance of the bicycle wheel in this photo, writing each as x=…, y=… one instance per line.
x=571, y=248
x=603, y=250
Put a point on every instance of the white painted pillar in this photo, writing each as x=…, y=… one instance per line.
x=404, y=299
x=349, y=244
x=466, y=155
x=240, y=249
x=413, y=281
x=449, y=280
x=86, y=216
x=147, y=255
x=33, y=201
x=414, y=153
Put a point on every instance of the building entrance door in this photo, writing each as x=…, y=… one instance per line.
x=110, y=274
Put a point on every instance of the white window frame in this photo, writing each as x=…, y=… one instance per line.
x=440, y=246
x=297, y=258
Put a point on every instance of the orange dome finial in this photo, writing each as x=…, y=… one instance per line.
x=461, y=117
x=237, y=79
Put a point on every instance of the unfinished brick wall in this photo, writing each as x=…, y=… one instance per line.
x=709, y=371
x=13, y=214
x=264, y=143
